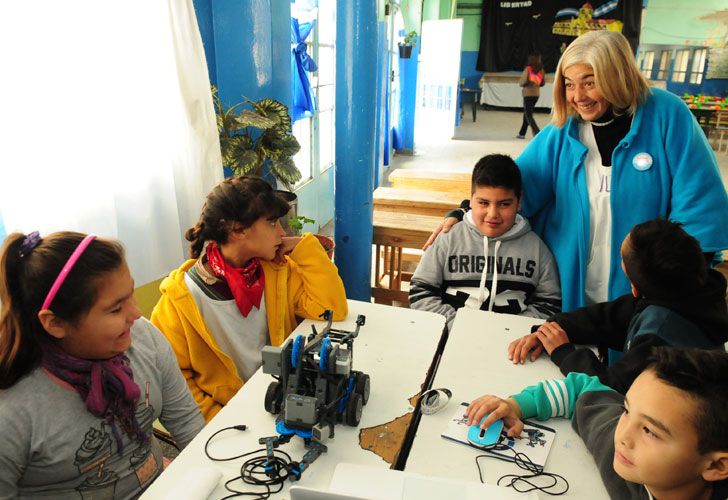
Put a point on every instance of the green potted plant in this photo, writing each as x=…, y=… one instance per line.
x=296, y=222
x=405, y=47
x=258, y=136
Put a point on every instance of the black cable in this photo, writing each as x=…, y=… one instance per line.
x=514, y=480
x=255, y=471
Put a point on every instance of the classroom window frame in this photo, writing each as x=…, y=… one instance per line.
x=663, y=70
x=648, y=62
x=697, y=68
x=680, y=69
x=317, y=133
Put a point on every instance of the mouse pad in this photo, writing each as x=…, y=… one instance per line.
x=535, y=441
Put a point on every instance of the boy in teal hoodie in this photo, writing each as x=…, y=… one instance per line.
x=667, y=438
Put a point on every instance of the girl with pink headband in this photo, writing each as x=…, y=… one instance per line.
x=82, y=375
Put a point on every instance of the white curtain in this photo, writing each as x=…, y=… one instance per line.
x=106, y=124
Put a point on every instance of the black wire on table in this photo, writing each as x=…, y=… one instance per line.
x=515, y=480
x=253, y=470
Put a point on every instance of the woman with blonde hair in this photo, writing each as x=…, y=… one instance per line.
x=618, y=153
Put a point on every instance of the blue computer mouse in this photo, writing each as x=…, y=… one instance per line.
x=485, y=438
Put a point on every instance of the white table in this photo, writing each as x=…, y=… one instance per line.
x=508, y=95
x=474, y=363
x=395, y=347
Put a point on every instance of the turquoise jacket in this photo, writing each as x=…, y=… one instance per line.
x=556, y=397
x=681, y=183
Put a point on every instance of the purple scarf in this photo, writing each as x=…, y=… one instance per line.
x=106, y=386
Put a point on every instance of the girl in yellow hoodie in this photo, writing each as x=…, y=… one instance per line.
x=245, y=287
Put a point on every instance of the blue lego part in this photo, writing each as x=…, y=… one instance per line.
x=296, y=351
x=282, y=428
x=349, y=390
x=324, y=354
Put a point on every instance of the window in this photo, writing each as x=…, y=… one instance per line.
x=317, y=133
x=647, y=63
x=681, y=65
x=698, y=67
x=664, y=68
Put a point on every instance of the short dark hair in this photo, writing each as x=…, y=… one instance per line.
x=702, y=374
x=497, y=171
x=663, y=261
x=235, y=201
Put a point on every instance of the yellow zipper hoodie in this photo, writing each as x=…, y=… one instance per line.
x=304, y=287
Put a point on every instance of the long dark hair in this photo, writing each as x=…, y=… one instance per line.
x=26, y=276
x=534, y=60
x=235, y=202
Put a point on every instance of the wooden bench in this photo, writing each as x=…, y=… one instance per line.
x=416, y=201
x=457, y=183
x=392, y=232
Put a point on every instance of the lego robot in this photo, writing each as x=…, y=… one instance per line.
x=315, y=385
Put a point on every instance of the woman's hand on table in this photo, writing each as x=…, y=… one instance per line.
x=444, y=227
x=518, y=350
x=504, y=409
x=551, y=336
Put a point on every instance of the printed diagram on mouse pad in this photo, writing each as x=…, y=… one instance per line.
x=535, y=440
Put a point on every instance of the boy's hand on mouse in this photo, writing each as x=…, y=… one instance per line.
x=551, y=336
x=518, y=349
x=444, y=227
x=288, y=243
x=504, y=409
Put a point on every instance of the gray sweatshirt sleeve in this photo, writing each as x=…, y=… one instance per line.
x=13, y=453
x=595, y=421
x=546, y=299
x=426, y=284
x=180, y=414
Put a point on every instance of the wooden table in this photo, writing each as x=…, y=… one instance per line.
x=474, y=363
x=395, y=347
x=416, y=201
x=457, y=183
x=392, y=233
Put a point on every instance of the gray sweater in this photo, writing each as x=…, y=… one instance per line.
x=54, y=447
x=453, y=274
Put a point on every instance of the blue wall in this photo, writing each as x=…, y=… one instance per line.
x=203, y=11
x=357, y=34
x=404, y=135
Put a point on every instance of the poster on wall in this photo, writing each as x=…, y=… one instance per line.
x=512, y=29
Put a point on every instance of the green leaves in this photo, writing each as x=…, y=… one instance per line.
x=261, y=135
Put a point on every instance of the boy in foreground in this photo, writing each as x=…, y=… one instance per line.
x=666, y=439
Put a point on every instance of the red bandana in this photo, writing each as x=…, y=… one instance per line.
x=246, y=283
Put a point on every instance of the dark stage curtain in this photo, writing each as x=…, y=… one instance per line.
x=513, y=29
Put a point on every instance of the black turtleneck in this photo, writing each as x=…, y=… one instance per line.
x=608, y=136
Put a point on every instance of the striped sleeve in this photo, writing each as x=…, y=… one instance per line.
x=556, y=397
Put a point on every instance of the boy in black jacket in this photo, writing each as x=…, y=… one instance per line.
x=676, y=300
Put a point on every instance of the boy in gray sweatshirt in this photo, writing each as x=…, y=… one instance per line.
x=520, y=276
